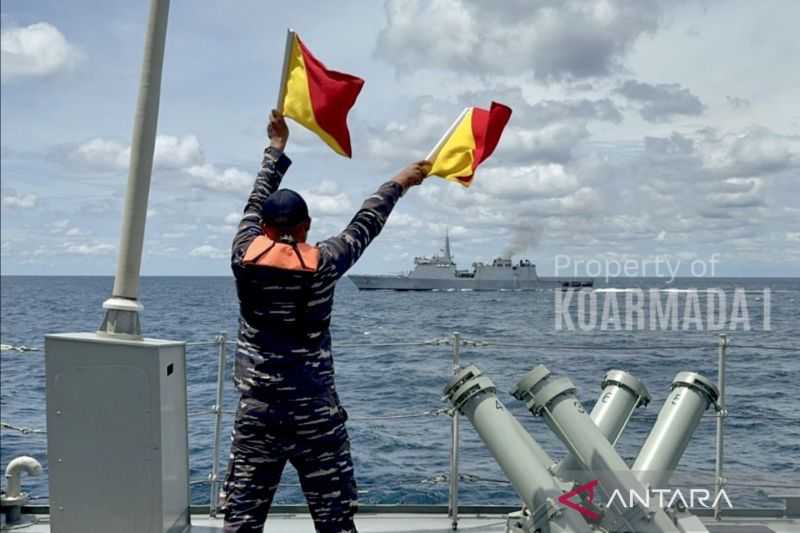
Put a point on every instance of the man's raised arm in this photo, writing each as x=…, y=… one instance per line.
x=273, y=166
x=345, y=248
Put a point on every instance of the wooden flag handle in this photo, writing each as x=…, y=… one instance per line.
x=287, y=54
x=439, y=145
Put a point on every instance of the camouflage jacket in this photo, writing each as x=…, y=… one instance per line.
x=284, y=342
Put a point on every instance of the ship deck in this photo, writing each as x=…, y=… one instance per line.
x=489, y=521
x=412, y=523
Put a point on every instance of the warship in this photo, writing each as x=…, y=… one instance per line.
x=440, y=273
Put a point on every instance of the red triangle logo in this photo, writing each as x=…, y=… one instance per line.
x=566, y=499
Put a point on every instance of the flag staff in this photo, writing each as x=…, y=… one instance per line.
x=439, y=145
x=287, y=54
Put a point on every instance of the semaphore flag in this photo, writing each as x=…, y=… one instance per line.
x=469, y=142
x=316, y=97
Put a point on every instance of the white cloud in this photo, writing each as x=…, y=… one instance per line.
x=36, y=50
x=208, y=251
x=747, y=153
x=415, y=135
x=177, y=152
x=62, y=227
x=737, y=103
x=213, y=178
x=554, y=142
x=661, y=102
x=688, y=189
x=22, y=201
x=88, y=249
x=326, y=200
x=450, y=18
x=320, y=205
x=170, y=152
x=739, y=192
x=582, y=202
x=103, y=153
x=539, y=112
x=708, y=158
x=519, y=183
x=233, y=218
x=556, y=40
x=515, y=199
x=223, y=229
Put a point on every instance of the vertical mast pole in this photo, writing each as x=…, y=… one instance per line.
x=123, y=308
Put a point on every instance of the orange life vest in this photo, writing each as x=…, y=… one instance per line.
x=300, y=256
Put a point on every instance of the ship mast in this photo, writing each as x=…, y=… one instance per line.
x=123, y=308
x=447, y=246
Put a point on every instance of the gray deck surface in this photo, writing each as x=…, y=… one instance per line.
x=427, y=523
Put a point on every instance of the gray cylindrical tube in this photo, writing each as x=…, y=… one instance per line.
x=691, y=395
x=622, y=394
x=520, y=457
x=122, y=309
x=126, y=283
x=554, y=399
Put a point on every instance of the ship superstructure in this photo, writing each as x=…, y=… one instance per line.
x=440, y=272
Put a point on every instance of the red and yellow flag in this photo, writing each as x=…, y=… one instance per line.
x=470, y=141
x=316, y=97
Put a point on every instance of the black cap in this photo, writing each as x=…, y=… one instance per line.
x=284, y=209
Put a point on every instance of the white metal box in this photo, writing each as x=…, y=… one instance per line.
x=117, y=434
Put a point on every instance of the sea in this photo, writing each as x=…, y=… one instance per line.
x=390, y=377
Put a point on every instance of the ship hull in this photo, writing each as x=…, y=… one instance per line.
x=407, y=283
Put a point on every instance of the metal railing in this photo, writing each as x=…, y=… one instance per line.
x=455, y=443
x=454, y=477
x=722, y=412
x=213, y=477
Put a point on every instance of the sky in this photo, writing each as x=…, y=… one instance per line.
x=641, y=130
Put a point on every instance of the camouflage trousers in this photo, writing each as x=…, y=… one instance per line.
x=310, y=434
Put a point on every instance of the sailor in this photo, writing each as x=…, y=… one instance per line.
x=289, y=409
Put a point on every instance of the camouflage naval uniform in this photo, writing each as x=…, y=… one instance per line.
x=289, y=409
